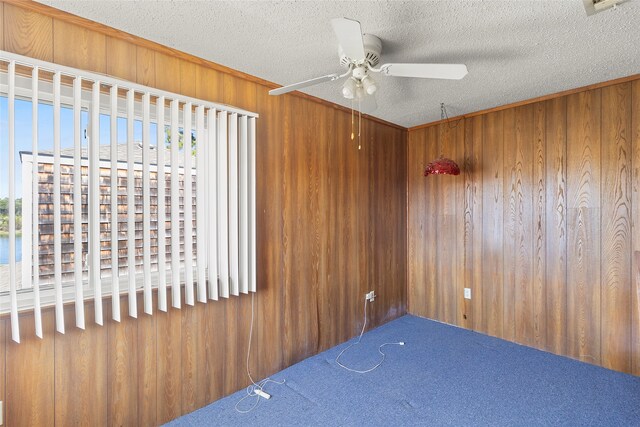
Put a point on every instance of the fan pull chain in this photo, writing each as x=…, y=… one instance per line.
x=359, y=125
x=352, y=124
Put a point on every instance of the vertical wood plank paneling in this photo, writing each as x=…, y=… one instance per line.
x=300, y=325
x=193, y=357
x=446, y=230
x=327, y=306
x=584, y=237
x=468, y=167
x=122, y=369
x=325, y=137
x=635, y=230
x=269, y=298
x=288, y=339
x=524, y=227
x=147, y=353
x=89, y=47
x=338, y=149
x=352, y=286
x=30, y=374
x=121, y=57
x=314, y=162
x=512, y=194
x=27, y=33
x=379, y=257
x=556, y=224
x=539, y=189
x=211, y=378
x=397, y=254
x=169, y=361
x=366, y=221
x=429, y=247
x=209, y=84
x=416, y=162
x=145, y=66
x=167, y=72
x=188, y=79
x=492, y=223
x=80, y=393
x=477, y=291
x=400, y=251
x=616, y=227
x=459, y=226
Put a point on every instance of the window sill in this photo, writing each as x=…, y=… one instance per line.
x=47, y=295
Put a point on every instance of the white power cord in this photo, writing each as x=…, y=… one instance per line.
x=255, y=389
x=358, y=342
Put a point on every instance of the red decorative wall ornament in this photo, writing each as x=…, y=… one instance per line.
x=442, y=166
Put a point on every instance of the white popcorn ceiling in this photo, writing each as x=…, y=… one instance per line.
x=514, y=50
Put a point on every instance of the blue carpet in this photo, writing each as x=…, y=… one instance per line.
x=442, y=376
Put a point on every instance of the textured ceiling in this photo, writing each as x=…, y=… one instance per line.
x=514, y=50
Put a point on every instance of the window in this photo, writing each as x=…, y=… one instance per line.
x=109, y=187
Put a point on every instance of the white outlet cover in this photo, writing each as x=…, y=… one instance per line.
x=467, y=293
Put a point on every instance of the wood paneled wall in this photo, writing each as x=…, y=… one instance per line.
x=543, y=225
x=331, y=226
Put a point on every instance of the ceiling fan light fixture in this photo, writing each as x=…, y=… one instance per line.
x=369, y=85
x=349, y=88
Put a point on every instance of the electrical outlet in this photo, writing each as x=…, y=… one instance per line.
x=370, y=296
x=467, y=293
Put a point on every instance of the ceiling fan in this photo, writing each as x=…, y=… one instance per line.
x=360, y=54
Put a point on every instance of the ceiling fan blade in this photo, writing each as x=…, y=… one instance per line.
x=300, y=85
x=426, y=71
x=349, y=36
x=367, y=104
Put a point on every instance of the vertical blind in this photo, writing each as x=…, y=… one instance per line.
x=112, y=188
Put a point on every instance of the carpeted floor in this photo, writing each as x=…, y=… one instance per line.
x=442, y=376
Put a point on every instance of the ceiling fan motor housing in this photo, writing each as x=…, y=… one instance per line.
x=372, y=50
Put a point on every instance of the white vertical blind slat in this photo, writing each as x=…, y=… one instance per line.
x=162, y=239
x=222, y=202
x=35, y=209
x=15, y=327
x=115, y=245
x=94, y=203
x=57, y=217
x=188, y=205
x=175, y=203
x=131, y=206
x=212, y=205
x=234, y=252
x=146, y=201
x=77, y=202
x=201, y=242
x=252, y=206
x=243, y=182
